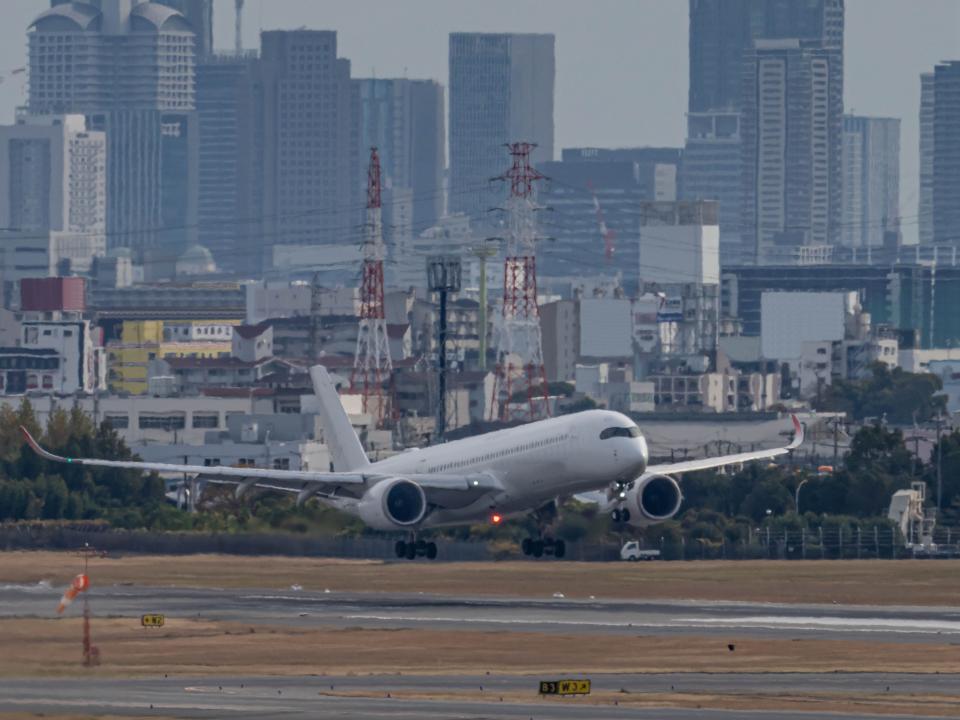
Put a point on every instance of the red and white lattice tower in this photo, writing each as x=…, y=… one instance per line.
x=519, y=349
x=372, y=366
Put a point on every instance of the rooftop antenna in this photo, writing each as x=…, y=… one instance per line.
x=238, y=29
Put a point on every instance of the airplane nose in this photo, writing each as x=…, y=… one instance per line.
x=643, y=453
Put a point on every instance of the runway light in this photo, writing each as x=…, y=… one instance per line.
x=496, y=518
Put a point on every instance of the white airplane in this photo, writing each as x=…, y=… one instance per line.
x=484, y=478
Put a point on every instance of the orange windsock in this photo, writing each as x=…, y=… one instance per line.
x=80, y=584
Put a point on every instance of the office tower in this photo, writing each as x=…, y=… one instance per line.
x=128, y=66
x=53, y=189
x=501, y=90
x=722, y=36
x=925, y=199
x=946, y=154
x=616, y=180
x=230, y=187
x=791, y=131
x=199, y=13
x=711, y=169
x=311, y=193
x=871, y=180
x=404, y=120
x=722, y=31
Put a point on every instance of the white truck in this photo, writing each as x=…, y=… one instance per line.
x=631, y=551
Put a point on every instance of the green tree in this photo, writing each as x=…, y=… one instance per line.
x=901, y=396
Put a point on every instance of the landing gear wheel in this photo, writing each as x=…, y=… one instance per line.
x=411, y=550
x=625, y=515
x=527, y=546
x=615, y=516
x=431, y=551
x=400, y=548
x=559, y=549
x=536, y=548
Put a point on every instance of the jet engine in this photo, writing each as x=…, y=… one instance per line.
x=392, y=504
x=650, y=500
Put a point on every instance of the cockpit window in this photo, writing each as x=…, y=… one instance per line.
x=629, y=432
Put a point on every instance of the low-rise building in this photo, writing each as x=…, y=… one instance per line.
x=142, y=342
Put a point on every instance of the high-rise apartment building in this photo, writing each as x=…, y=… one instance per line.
x=722, y=31
x=404, y=120
x=311, y=187
x=230, y=187
x=871, y=180
x=946, y=154
x=722, y=37
x=53, y=189
x=128, y=66
x=791, y=130
x=501, y=90
x=199, y=13
x=925, y=198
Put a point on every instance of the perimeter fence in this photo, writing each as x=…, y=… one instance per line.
x=824, y=543
x=828, y=543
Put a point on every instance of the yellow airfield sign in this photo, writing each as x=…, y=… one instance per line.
x=564, y=687
x=156, y=621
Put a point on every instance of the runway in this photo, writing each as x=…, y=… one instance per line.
x=315, y=697
x=548, y=614
x=411, y=696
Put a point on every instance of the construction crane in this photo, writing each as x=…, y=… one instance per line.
x=606, y=233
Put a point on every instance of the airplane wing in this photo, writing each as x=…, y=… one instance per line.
x=443, y=490
x=722, y=460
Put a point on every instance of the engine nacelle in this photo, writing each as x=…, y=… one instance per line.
x=652, y=499
x=393, y=504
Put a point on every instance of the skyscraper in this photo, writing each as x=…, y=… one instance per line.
x=925, y=199
x=722, y=37
x=710, y=168
x=230, y=186
x=501, y=90
x=722, y=31
x=946, y=154
x=127, y=65
x=792, y=133
x=53, y=180
x=199, y=13
x=311, y=188
x=871, y=180
x=404, y=120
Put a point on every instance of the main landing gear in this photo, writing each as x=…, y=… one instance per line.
x=414, y=548
x=538, y=547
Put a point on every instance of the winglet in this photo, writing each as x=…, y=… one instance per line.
x=797, y=433
x=35, y=446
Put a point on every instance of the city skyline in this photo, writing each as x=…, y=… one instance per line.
x=618, y=38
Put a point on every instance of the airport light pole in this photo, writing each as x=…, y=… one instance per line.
x=483, y=253
x=443, y=277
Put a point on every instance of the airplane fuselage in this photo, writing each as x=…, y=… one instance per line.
x=533, y=463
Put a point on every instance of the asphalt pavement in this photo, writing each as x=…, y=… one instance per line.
x=316, y=696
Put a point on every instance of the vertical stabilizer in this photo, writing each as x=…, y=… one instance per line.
x=338, y=433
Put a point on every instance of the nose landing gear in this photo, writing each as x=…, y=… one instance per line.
x=620, y=515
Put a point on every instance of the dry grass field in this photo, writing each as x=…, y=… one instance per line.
x=869, y=582
x=51, y=648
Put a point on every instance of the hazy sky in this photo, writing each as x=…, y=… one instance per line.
x=621, y=64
